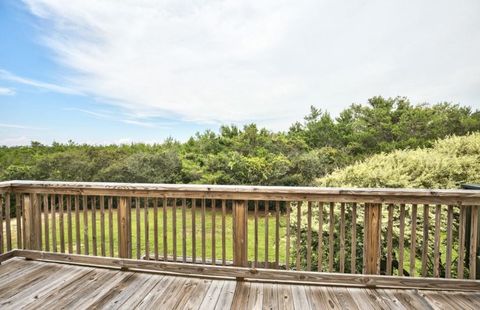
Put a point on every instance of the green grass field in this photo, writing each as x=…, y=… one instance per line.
x=178, y=236
x=217, y=231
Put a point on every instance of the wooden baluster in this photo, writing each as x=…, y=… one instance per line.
x=110, y=225
x=473, y=242
x=8, y=231
x=365, y=233
x=203, y=232
x=18, y=213
x=194, y=232
x=436, y=251
x=266, y=205
x=129, y=227
x=102, y=226
x=379, y=254
x=448, y=260
x=342, y=237
x=299, y=229
x=118, y=224
x=174, y=229
x=224, y=215
x=54, y=222
x=62, y=227
x=165, y=224
x=38, y=220
x=320, y=237
x=78, y=241
x=309, y=236
x=85, y=224
x=373, y=218
x=413, y=246
x=123, y=227
x=389, y=240
x=69, y=224
x=213, y=202
x=240, y=257
x=277, y=234
x=28, y=225
x=184, y=230
x=425, y=239
x=461, y=242
x=32, y=222
x=137, y=226
x=146, y=204
x=45, y=223
x=287, y=245
x=401, y=240
x=24, y=235
x=255, y=248
x=155, y=228
x=353, y=251
x=330, y=237
x=94, y=225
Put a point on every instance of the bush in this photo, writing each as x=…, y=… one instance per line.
x=447, y=164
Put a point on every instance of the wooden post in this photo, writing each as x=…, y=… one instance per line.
x=124, y=228
x=240, y=234
x=372, y=240
x=31, y=219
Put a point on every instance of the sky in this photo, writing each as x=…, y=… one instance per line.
x=109, y=71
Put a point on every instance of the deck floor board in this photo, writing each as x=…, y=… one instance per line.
x=28, y=284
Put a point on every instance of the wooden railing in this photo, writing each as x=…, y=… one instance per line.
x=328, y=235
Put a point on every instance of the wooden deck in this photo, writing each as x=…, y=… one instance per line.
x=31, y=284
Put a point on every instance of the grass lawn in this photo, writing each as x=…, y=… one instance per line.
x=170, y=236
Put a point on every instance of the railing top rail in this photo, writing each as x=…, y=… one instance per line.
x=457, y=196
x=241, y=188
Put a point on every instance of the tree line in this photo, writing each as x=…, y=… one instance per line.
x=310, y=149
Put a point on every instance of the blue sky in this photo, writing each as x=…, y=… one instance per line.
x=140, y=71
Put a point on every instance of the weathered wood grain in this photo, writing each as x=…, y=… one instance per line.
x=401, y=240
x=277, y=234
x=213, y=231
x=240, y=228
x=123, y=228
x=331, y=221
x=266, y=206
x=78, y=241
x=8, y=230
x=353, y=251
x=473, y=242
x=265, y=274
x=309, y=236
x=373, y=217
x=426, y=229
x=18, y=214
x=146, y=205
x=342, y=237
x=413, y=241
x=69, y=225
x=390, y=195
x=448, y=259
x=287, y=237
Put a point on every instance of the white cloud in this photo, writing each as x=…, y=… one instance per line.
x=16, y=126
x=5, y=75
x=89, y=112
x=6, y=91
x=238, y=61
x=107, y=115
x=14, y=141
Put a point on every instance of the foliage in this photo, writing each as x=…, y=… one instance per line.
x=251, y=155
x=447, y=164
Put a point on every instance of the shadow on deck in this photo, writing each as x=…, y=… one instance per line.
x=32, y=284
